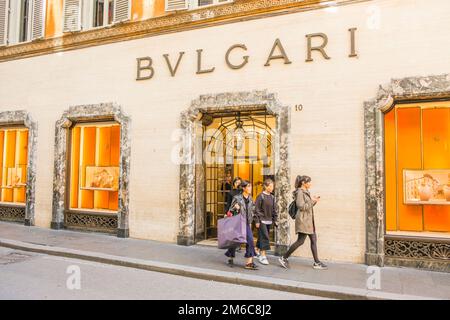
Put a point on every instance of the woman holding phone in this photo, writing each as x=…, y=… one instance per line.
x=304, y=222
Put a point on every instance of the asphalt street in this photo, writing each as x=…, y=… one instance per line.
x=25, y=275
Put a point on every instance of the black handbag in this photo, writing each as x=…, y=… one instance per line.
x=293, y=209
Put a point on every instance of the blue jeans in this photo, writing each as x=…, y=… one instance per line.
x=249, y=247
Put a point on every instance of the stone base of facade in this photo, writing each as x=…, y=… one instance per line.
x=374, y=259
x=185, y=241
x=57, y=225
x=442, y=266
x=123, y=233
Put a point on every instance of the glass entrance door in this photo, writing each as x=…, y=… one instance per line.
x=235, y=145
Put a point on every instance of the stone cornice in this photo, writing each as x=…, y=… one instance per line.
x=180, y=21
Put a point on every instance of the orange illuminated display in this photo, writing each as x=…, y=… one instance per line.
x=417, y=137
x=13, y=160
x=94, y=162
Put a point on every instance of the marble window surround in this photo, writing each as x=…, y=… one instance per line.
x=192, y=172
x=22, y=117
x=411, y=88
x=94, y=112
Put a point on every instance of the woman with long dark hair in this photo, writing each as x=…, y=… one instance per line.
x=304, y=222
x=235, y=190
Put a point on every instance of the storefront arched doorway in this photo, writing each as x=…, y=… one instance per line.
x=236, y=145
x=193, y=173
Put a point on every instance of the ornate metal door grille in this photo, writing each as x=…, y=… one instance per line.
x=91, y=222
x=12, y=213
x=418, y=249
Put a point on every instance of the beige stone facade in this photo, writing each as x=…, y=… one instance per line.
x=394, y=39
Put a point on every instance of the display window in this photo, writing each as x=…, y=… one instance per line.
x=94, y=167
x=417, y=166
x=13, y=159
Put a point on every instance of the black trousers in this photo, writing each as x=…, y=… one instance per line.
x=300, y=240
x=263, y=242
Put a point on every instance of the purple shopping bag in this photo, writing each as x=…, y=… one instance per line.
x=232, y=231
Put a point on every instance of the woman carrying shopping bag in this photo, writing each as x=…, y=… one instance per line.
x=243, y=204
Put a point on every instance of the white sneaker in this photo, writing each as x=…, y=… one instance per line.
x=319, y=266
x=263, y=260
x=284, y=262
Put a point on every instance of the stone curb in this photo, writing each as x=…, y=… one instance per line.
x=312, y=289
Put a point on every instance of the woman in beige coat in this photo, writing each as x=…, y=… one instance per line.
x=304, y=222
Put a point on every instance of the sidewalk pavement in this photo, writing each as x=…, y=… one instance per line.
x=340, y=281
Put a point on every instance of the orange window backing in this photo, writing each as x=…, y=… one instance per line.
x=94, y=162
x=436, y=152
x=417, y=137
x=13, y=159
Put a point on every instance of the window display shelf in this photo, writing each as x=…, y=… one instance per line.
x=99, y=189
x=12, y=204
x=429, y=202
x=21, y=185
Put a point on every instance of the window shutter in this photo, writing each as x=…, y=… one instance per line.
x=122, y=10
x=172, y=5
x=38, y=22
x=4, y=10
x=205, y=2
x=72, y=15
